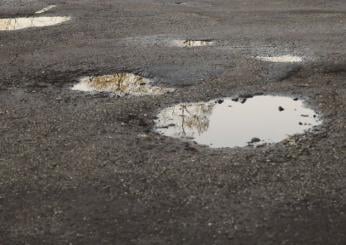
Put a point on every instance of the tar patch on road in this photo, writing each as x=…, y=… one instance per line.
x=120, y=84
x=237, y=122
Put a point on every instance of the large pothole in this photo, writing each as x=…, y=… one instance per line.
x=237, y=122
x=120, y=84
x=13, y=24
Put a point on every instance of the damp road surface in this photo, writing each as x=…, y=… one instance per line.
x=83, y=88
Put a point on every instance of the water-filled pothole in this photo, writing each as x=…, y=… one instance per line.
x=45, y=9
x=192, y=43
x=236, y=122
x=13, y=24
x=120, y=84
x=281, y=59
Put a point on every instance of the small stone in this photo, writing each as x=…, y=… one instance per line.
x=255, y=140
x=281, y=108
x=220, y=101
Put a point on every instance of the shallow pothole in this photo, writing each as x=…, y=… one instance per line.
x=192, y=43
x=237, y=122
x=281, y=59
x=45, y=9
x=120, y=84
x=12, y=24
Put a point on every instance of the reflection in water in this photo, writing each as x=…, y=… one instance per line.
x=230, y=123
x=120, y=84
x=191, y=43
x=191, y=119
x=281, y=59
x=22, y=23
x=45, y=9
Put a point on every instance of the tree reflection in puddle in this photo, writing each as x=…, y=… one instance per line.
x=237, y=122
x=120, y=84
x=192, y=119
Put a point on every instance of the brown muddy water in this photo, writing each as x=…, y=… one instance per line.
x=120, y=84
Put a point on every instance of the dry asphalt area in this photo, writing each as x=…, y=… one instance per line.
x=89, y=168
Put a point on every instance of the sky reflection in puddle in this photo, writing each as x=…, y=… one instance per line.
x=237, y=122
x=20, y=23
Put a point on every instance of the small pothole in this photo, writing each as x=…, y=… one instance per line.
x=281, y=59
x=45, y=9
x=192, y=43
x=12, y=24
x=120, y=84
x=237, y=122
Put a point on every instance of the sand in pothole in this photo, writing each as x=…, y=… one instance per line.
x=45, y=9
x=191, y=43
x=120, y=84
x=12, y=24
x=281, y=59
x=237, y=122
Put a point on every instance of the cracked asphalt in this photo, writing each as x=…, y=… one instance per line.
x=79, y=168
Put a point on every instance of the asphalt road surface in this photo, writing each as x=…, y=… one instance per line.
x=80, y=168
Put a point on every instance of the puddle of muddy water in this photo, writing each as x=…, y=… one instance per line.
x=120, y=84
x=238, y=122
x=45, y=9
x=192, y=43
x=281, y=59
x=13, y=24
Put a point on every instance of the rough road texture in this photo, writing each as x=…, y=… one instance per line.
x=87, y=169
